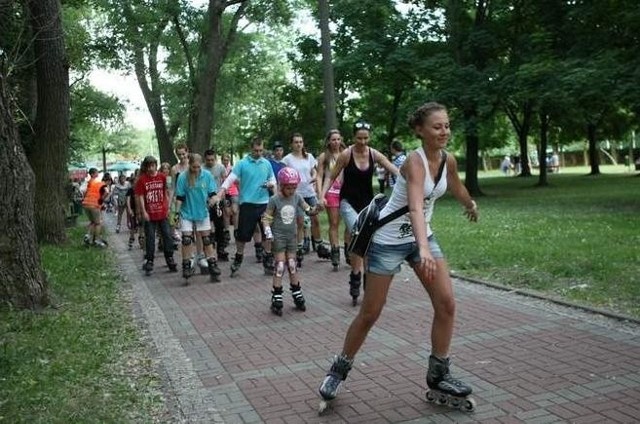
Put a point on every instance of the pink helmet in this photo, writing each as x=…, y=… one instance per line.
x=288, y=175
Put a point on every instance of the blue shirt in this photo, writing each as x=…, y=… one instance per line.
x=276, y=165
x=194, y=206
x=253, y=174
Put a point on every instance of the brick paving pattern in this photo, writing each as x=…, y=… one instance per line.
x=228, y=359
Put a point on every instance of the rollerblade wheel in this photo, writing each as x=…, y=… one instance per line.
x=468, y=405
x=442, y=399
x=430, y=396
x=324, y=405
x=455, y=402
x=277, y=311
x=354, y=301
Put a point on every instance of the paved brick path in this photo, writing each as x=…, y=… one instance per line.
x=229, y=360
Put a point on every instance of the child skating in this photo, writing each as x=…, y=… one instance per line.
x=279, y=221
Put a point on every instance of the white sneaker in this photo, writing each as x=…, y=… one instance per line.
x=100, y=243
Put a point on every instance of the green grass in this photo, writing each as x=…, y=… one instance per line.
x=84, y=360
x=578, y=238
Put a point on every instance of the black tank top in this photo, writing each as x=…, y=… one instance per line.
x=357, y=188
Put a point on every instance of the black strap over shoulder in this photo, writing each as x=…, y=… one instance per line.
x=395, y=214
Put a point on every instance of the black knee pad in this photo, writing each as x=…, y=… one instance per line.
x=206, y=240
x=187, y=240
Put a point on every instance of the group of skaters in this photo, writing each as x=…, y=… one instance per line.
x=267, y=200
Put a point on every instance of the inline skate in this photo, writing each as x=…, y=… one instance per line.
x=443, y=389
x=299, y=256
x=354, y=287
x=276, y=301
x=259, y=251
x=188, y=270
x=335, y=257
x=298, y=298
x=267, y=263
x=322, y=250
x=148, y=267
x=214, y=271
x=331, y=384
x=171, y=264
x=235, y=265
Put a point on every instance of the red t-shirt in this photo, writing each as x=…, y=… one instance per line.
x=153, y=189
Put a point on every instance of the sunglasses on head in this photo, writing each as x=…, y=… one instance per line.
x=362, y=125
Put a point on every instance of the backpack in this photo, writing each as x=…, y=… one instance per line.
x=368, y=221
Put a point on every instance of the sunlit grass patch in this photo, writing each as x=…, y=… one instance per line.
x=579, y=238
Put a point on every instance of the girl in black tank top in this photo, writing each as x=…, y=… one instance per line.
x=357, y=188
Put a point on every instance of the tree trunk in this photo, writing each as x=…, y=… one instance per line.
x=153, y=100
x=394, y=112
x=472, y=143
x=542, y=153
x=329, y=94
x=213, y=53
x=22, y=281
x=522, y=128
x=594, y=161
x=51, y=127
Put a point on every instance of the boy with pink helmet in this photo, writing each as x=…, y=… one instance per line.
x=279, y=222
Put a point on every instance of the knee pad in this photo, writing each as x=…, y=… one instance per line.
x=206, y=240
x=293, y=265
x=187, y=240
x=279, y=268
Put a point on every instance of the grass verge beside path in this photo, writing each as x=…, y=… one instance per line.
x=83, y=361
x=578, y=239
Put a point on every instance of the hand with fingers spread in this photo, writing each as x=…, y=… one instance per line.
x=471, y=212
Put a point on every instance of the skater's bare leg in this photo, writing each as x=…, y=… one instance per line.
x=280, y=266
x=374, y=299
x=334, y=223
x=440, y=291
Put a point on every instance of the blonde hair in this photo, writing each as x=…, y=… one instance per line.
x=193, y=159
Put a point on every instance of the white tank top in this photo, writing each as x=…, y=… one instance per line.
x=400, y=230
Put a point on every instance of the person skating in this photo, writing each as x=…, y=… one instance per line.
x=357, y=165
x=152, y=208
x=410, y=238
x=194, y=190
x=279, y=222
x=255, y=178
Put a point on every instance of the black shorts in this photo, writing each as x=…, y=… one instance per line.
x=250, y=215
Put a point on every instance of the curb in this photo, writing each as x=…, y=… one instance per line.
x=554, y=299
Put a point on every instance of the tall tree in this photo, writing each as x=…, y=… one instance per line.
x=180, y=85
x=49, y=153
x=330, y=118
x=22, y=280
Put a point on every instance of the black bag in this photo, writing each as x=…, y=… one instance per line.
x=368, y=223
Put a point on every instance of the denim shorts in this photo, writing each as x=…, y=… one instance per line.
x=385, y=259
x=348, y=214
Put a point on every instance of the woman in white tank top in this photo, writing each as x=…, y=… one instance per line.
x=410, y=238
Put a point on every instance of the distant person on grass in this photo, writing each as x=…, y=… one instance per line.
x=94, y=197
